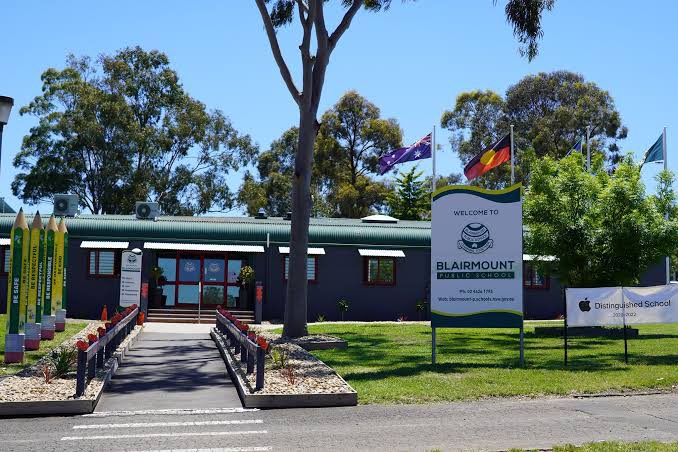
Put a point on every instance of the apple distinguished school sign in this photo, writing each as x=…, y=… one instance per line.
x=622, y=305
x=477, y=257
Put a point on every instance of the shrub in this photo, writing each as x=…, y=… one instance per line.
x=343, y=307
x=61, y=361
x=281, y=358
x=321, y=318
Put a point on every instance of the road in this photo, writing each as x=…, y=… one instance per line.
x=484, y=425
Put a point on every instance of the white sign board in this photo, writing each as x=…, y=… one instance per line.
x=618, y=306
x=130, y=277
x=477, y=257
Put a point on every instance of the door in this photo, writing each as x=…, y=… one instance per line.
x=208, y=280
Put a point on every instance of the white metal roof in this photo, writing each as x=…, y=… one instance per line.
x=4, y=242
x=203, y=247
x=379, y=219
x=532, y=257
x=311, y=251
x=382, y=253
x=104, y=245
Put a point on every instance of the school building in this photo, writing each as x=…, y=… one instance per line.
x=379, y=264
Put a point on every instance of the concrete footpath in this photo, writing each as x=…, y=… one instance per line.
x=172, y=366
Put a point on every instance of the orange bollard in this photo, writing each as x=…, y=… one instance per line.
x=140, y=318
x=104, y=314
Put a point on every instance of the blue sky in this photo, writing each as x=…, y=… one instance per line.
x=411, y=61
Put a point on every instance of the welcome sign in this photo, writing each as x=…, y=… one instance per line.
x=621, y=306
x=477, y=257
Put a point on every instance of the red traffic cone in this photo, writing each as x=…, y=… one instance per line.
x=104, y=314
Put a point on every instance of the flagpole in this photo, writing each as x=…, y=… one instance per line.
x=666, y=214
x=588, y=148
x=433, y=159
x=513, y=171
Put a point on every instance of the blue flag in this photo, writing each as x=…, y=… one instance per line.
x=576, y=148
x=417, y=151
x=656, y=152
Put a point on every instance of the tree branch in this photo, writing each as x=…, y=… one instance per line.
x=345, y=23
x=277, y=55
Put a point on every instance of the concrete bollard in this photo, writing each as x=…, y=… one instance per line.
x=60, y=321
x=47, y=327
x=14, y=348
x=32, y=340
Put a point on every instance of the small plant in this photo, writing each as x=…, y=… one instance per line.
x=420, y=307
x=289, y=375
x=401, y=318
x=280, y=357
x=321, y=318
x=61, y=361
x=246, y=275
x=47, y=373
x=343, y=307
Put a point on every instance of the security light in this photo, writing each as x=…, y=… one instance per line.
x=6, y=104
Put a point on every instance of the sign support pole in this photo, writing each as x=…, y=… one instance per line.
x=522, y=346
x=565, y=324
x=433, y=345
x=666, y=214
x=626, y=343
x=513, y=170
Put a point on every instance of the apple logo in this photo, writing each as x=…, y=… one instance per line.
x=585, y=305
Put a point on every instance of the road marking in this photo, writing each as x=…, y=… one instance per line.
x=163, y=435
x=171, y=412
x=217, y=449
x=170, y=424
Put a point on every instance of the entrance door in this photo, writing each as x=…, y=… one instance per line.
x=208, y=280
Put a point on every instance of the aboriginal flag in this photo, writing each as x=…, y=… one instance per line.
x=491, y=157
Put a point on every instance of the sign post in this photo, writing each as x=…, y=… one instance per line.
x=477, y=259
x=130, y=277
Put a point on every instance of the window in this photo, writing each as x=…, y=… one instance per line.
x=379, y=271
x=311, y=268
x=102, y=263
x=4, y=260
x=534, y=279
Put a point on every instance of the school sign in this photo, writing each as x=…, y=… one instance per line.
x=477, y=258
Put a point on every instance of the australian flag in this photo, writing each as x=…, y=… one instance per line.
x=417, y=151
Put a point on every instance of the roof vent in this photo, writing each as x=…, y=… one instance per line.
x=379, y=219
x=261, y=215
x=288, y=216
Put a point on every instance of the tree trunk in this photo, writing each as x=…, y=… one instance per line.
x=297, y=285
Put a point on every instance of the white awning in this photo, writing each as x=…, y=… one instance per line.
x=104, y=245
x=531, y=257
x=311, y=251
x=382, y=253
x=4, y=242
x=204, y=247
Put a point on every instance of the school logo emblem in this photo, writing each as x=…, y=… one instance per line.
x=475, y=238
x=585, y=305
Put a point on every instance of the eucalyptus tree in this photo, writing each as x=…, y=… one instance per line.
x=317, y=44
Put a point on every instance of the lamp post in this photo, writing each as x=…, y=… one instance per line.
x=6, y=104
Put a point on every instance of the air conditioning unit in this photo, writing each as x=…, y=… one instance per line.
x=147, y=210
x=65, y=205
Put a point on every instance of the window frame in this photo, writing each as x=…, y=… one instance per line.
x=285, y=259
x=529, y=270
x=378, y=282
x=96, y=275
x=4, y=257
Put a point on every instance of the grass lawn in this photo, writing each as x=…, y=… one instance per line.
x=391, y=363
x=32, y=357
x=643, y=446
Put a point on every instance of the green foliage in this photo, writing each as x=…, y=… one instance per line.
x=351, y=139
x=343, y=305
x=617, y=446
x=550, y=112
x=411, y=197
x=603, y=228
x=321, y=318
x=61, y=361
x=246, y=275
x=122, y=129
x=280, y=357
x=421, y=305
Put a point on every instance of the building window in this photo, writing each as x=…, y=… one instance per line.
x=534, y=279
x=4, y=260
x=379, y=271
x=102, y=264
x=311, y=268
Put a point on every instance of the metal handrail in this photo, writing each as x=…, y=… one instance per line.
x=100, y=351
x=250, y=352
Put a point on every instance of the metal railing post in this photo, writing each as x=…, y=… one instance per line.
x=261, y=359
x=81, y=373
